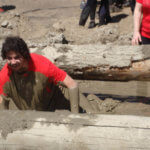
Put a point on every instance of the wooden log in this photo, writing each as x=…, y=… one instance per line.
x=31, y=130
x=102, y=62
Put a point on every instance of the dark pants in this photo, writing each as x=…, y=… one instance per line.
x=92, y=5
x=104, y=13
x=145, y=40
x=89, y=9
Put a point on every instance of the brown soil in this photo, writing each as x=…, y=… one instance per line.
x=32, y=20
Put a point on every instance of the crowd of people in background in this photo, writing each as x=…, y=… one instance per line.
x=140, y=10
x=141, y=33
x=89, y=9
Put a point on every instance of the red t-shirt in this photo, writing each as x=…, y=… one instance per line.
x=145, y=26
x=35, y=88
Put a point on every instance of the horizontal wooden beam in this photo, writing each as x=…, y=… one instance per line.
x=63, y=130
x=127, y=89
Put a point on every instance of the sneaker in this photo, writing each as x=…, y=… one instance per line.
x=91, y=25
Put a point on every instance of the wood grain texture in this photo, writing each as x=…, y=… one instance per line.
x=102, y=62
x=63, y=130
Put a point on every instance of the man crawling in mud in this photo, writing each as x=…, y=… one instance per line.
x=32, y=82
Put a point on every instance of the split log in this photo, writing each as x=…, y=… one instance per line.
x=102, y=62
x=31, y=130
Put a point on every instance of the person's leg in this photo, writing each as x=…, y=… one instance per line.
x=92, y=4
x=108, y=17
x=84, y=14
x=102, y=13
x=145, y=40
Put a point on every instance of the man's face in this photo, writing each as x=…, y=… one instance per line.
x=15, y=61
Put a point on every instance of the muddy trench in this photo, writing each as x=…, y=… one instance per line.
x=43, y=27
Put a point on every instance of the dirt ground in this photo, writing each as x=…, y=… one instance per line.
x=37, y=20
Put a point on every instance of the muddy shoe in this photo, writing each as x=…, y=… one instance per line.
x=101, y=23
x=91, y=25
x=108, y=19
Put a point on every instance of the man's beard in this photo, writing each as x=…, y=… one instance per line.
x=19, y=71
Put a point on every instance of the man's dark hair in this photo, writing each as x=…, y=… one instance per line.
x=16, y=44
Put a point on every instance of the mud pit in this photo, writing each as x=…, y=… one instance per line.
x=49, y=23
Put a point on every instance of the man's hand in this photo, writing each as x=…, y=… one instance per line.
x=74, y=99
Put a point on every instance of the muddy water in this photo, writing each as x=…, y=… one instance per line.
x=128, y=98
x=123, y=98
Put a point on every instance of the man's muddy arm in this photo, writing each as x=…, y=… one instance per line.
x=73, y=93
x=77, y=99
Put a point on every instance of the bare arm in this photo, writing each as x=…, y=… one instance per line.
x=137, y=23
x=73, y=92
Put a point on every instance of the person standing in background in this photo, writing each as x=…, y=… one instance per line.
x=141, y=33
x=90, y=9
